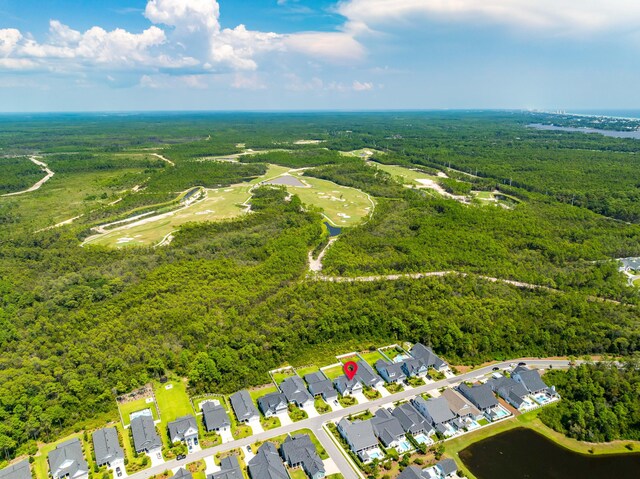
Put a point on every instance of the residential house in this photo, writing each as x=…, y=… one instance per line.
x=460, y=406
x=184, y=429
x=299, y=451
x=296, y=392
x=229, y=469
x=67, y=461
x=272, y=404
x=437, y=412
x=531, y=380
x=266, y=464
x=511, y=391
x=347, y=387
x=19, y=470
x=411, y=420
x=367, y=376
x=360, y=437
x=414, y=367
x=145, y=436
x=182, y=473
x=447, y=468
x=482, y=397
x=428, y=357
x=243, y=407
x=107, y=447
x=320, y=385
x=387, y=428
x=391, y=372
x=215, y=418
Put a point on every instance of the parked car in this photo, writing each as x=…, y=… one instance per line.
x=180, y=457
x=248, y=448
x=496, y=368
x=522, y=364
x=118, y=472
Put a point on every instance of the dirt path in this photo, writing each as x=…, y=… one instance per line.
x=62, y=223
x=164, y=159
x=44, y=168
x=315, y=265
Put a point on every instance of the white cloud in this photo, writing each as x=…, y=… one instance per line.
x=559, y=16
x=362, y=86
x=331, y=46
x=185, y=15
x=9, y=38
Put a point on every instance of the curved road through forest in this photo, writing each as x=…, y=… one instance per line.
x=36, y=186
x=315, y=424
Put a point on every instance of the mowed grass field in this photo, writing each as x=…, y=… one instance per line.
x=174, y=401
x=409, y=176
x=134, y=406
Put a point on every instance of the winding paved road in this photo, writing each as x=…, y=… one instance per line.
x=315, y=424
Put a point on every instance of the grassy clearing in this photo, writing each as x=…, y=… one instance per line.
x=257, y=393
x=405, y=175
x=341, y=205
x=302, y=372
x=362, y=152
x=282, y=375
x=173, y=402
x=134, y=406
x=333, y=372
x=372, y=357
x=65, y=195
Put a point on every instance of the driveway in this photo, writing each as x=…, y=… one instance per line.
x=360, y=397
x=285, y=420
x=330, y=467
x=123, y=470
x=256, y=426
x=383, y=392
x=210, y=465
x=311, y=411
x=226, y=436
x=156, y=457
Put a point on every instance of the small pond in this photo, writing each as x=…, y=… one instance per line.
x=333, y=230
x=522, y=454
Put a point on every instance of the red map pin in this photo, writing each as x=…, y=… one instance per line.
x=350, y=369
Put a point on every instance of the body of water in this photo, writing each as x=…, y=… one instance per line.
x=614, y=134
x=333, y=230
x=524, y=454
x=634, y=114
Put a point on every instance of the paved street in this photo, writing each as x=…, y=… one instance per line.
x=315, y=424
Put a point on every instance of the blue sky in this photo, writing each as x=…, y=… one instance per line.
x=76, y=55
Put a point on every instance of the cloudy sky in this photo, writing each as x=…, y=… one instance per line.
x=76, y=55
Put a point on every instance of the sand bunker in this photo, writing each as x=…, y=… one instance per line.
x=286, y=180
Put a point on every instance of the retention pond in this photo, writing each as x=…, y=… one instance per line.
x=522, y=453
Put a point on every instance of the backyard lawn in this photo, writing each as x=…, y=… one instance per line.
x=333, y=372
x=173, y=400
x=280, y=376
x=371, y=357
x=261, y=391
x=198, y=401
x=302, y=372
x=134, y=406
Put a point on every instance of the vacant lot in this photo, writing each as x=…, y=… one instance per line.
x=173, y=400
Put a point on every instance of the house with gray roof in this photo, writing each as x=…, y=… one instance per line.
x=107, y=447
x=67, y=461
x=530, y=379
x=184, y=429
x=461, y=406
x=367, y=376
x=435, y=410
x=272, y=404
x=182, y=474
x=360, y=437
x=19, y=470
x=347, y=387
x=243, y=407
x=145, y=436
x=296, y=392
x=411, y=420
x=428, y=357
x=447, y=468
x=391, y=372
x=413, y=367
x=299, y=451
x=387, y=428
x=413, y=472
x=511, y=391
x=229, y=469
x=321, y=385
x=266, y=464
x=215, y=417
x=480, y=395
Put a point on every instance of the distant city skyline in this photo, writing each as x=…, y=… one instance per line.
x=140, y=55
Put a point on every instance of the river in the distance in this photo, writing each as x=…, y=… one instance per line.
x=614, y=134
x=524, y=454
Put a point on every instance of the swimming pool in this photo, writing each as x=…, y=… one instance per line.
x=400, y=357
x=499, y=413
x=541, y=398
x=403, y=446
x=423, y=439
x=375, y=454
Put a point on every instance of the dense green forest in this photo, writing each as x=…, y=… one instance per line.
x=18, y=174
x=601, y=402
x=227, y=301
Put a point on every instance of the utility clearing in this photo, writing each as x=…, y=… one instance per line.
x=45, y=169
